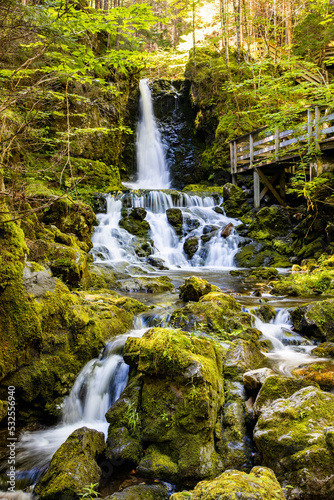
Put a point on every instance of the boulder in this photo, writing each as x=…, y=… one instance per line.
x=227, y=230
x=295, y=436
x=159, y=284
x=135, y=226
x=242, y=356
x=324, y=350
x=37, y=280
x=194, y=288
x=315, y=320
x=254, y=379
x=138, y=213
x=265, y=312
x=170, y=407
x=235, y=203
x=320, y=373
x=275, y=387
x=141, y=492
x=190, y=246
x=156, y=262
x=73, y=466
x=175, y=219
x=259, y=484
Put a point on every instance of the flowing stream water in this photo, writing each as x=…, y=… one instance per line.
x=102, y=380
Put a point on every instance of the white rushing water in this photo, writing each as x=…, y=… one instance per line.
x=113, y=244
x=98, y=385
x=153, y=171
x=290, y=350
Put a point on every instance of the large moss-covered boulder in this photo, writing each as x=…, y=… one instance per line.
x=260, y=254
x=135, y=224
x=235, y=204
x=274, y=220
x=194, y=288
x=259, y=484
x=216, y=313
x=320, y=373
x=276, y=387
x=295, y=436
x=315, y=320
x=171, y=406
x=243, y=355
x=175, y=219
x=73, y=466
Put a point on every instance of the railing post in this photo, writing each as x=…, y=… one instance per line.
x=317, y=127
x=235, y=156
x=233, y=171
x=309, y=128
x=251, y=150
x=276, y=144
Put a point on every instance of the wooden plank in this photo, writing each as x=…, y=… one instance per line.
x=244, y=148
x=326, y=131
x=235, y=157
x=270, y=187
x=231, y=158
x=256, y=187
x=264, y=150
x=316, y=127
x=263, y=141
x=309, y=128
x=251, y=149
x=276, y=144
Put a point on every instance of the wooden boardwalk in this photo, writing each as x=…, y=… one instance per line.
x=263, y=148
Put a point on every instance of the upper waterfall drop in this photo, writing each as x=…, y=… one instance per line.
x=153, y=172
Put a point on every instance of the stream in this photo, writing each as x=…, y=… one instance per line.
x=102, y=380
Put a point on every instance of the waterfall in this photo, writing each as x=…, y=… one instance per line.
x=289, y=349
x=114, y=246
x=98, y=385
x=153, y=172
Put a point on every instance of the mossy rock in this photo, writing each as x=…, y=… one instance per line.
x=257, y=254
x=316, y=320
x=320, y=373
x=135, y=226
x=190, y=246
x=301, y=282
x=148, y=285
x=242, y=356
x=274, y=220
x=3, y=410
x=295, y=436
x=235, y=203
x=173, y=403
x=96, y=175
x=175, y=219
x=324, y=350
x=266, y=273
x=265, y=312
x=215, y=314
x=69, y=264
x=73, y=466
x=259, y=484
x=142, y=492
x=276, y=387
x=194, y=288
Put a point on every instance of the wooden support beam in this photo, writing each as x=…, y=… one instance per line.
x=270, y=187
x=276, y=144
x=231, y=158
x=265, y=189
x=235, y=156
x=256, y=184
x=309, y=128
x=251, y=149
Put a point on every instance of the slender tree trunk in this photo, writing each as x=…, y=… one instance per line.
x=194, y=33
x=224, y=30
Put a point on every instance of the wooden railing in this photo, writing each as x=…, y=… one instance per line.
x=264, y=147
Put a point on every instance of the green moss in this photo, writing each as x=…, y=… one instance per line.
x=97, y=175
x=315, y=320
x=73, y=466
x=260, y=483
x=194, y=288
x=203, y=189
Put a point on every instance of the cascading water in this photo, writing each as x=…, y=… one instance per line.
x=201, y=221
x=97, y=386
x=289, y=349
x=153, y=172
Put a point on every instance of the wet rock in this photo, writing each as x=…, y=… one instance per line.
x=156, y=262
x=37, y=280
x=175, y=419
x=143, y=248
x=296, y=438
x=209, y=229
x=142, y=492
x=260, y=484
x=316, y=320
x=70, y=264
x=138, y=213
x=266, y=273
x=276, y=387
x=73, y=466
x=135, y=226
x=254, y=379
x=227, y=230
x=194, y=288
x=190, y=224
x=242, y=356
x=231, y=432
x=259, y=254
x=148, y=285
x=175, y=219
x=320, y=373
x=324, y=350
x=190, y=246
x=265, y=312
